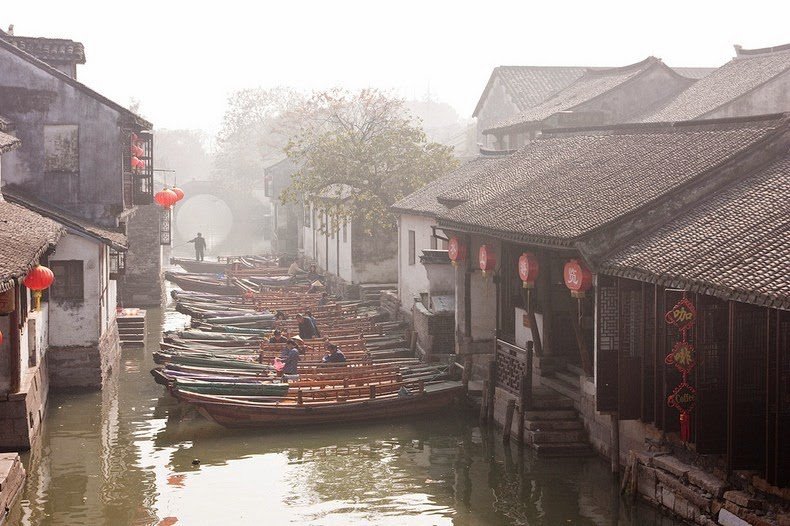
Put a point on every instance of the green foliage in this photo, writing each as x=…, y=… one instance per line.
x=358, y=154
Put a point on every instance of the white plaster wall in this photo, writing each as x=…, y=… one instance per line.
x=412, y=279
x=38, y=339
x=524, y=334
x=77, y=323
x=483, y=293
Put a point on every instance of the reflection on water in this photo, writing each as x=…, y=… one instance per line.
x=131, y=455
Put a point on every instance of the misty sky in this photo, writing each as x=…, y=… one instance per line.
x=182, y=59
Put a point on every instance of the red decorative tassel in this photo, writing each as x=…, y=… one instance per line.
x=685, y=427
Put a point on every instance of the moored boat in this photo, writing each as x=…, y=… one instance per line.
x=230, y=412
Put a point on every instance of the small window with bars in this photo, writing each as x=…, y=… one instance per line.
x=69, y=280
x=117, y=263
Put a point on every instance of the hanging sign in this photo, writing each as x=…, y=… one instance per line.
x=683, y=315
x=528, y=268
x=487, y=259
x=578, y=278
x=456, y=250
x=684, y=397
x=165, y=225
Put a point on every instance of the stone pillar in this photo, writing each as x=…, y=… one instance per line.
x=141, y=285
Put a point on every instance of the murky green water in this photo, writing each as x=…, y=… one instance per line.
x=125, y=456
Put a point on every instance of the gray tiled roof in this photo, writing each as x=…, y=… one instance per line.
x=736, y=78
x=735, y=245
x=25, y=237
x=593, y=84
x=113, y=238
x=530, y=85
x=566, y=185
x=423, y=201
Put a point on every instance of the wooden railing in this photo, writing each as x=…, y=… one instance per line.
x=510, y=370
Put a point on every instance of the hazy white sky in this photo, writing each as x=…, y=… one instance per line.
x=182, y=58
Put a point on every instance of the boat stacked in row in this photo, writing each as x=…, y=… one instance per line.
x=224, y=364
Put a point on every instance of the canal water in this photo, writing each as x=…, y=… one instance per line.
x=130, y=455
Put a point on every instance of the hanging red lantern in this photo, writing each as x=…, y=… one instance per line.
x=528, y=269
x=137, y=151
x=578, y=278
x=136, y=163
x=179, y=192
x=1, y=338
x=38, y=279
x=166, y=198
x=487, y=259
x=456, y=250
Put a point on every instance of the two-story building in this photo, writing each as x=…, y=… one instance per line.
x=75, y=166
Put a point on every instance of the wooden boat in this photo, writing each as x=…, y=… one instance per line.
x=205, y=267
x=215, y=387
x=360, y=404
x=203, y=283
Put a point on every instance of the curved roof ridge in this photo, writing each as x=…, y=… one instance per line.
x=740, y=52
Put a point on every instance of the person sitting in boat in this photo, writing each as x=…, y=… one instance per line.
x=200, y=246
x=309, y=315
x=335, y=354
x=324, y=299
x=313, y=275
x=295, y=269
x=278, y=337
x=280, y=315
x=290, y=356
x=307, y=329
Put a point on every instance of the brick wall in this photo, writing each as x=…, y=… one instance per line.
x=141, y=285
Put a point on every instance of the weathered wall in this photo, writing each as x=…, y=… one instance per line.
x=77, y=323
x=497, y=106
x=85, y=367
x=33, y=98
x=412, y=278
x=771, y=97
x=435, y=331
x=141, y=285
x=22, y=413
x=374, y=257
x=633, y=98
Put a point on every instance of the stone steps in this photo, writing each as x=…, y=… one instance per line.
x=562, y=449
x=562, y=387
x=553, y=425
x=131, y=328
x=556, y=436
x=550, y=414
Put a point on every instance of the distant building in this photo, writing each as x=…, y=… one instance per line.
x=513, y=89
x=345, y=249
x=286, y=220
x=756, y=81
x=599, y=97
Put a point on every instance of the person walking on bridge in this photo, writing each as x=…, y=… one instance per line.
x=200, y=246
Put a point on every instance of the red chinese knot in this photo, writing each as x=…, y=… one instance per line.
x=528, y=269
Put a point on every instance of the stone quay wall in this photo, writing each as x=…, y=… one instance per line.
x=85, y=367
x=141, y=285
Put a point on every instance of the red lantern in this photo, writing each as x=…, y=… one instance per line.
x=487, y=258
x=166, y=198
x=528, y=269
x=137, y=151
x=136, y=163
x=1, y=338
x=456, y=250
x=179, y=192
x=578, y=278
x=39, y=278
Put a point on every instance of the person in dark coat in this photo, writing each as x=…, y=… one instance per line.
x=335, y=354
x=200, y=246
x=290, y=356
x=278, y=337
x=307, y=330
